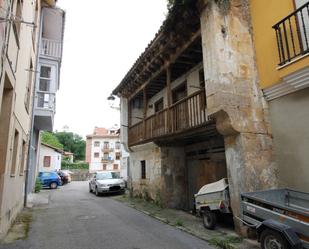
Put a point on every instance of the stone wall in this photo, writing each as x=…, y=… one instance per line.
x=174, y=189
x=153, y=183
x=234, y=99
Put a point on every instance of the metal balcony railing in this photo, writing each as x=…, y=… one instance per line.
x=46, y=100
x=292, y=35
x=51, y=48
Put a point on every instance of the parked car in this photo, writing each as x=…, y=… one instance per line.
x=50, y=179
x=69, y=173
x=64, y=177
x=106, y=182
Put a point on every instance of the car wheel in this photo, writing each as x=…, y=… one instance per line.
x=53, y=185
x=90, y=189
x=97, y=192
x=209, y=219
x=271, y=239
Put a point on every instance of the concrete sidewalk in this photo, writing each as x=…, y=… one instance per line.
x=38, y=199
x=222, y=237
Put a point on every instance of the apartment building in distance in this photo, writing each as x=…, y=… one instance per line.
x=103, y=150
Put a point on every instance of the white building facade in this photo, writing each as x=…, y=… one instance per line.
x=103, y=151
x=50, y=158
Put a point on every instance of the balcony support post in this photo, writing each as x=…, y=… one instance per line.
x=144, y=111
x=237, y=105
x=169, y=98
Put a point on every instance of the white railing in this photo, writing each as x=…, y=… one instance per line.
x=46, y=100
x=51, y=48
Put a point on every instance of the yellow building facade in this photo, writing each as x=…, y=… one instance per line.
x=281, y=39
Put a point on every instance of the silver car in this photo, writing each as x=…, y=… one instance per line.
x=106, y=182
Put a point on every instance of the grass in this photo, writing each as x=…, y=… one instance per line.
x=179, y=223
x=20, y=228
x=225, y=242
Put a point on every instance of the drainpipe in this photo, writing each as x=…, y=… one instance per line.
x=38, y=47
x=7, y=30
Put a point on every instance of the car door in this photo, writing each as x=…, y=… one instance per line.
x=45, y=178
x=93, y=181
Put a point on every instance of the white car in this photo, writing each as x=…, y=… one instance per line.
x=106, y=182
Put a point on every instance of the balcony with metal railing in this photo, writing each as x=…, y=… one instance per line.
x=45, y=104
x=51, y=48
x=187, y=114
x=292, y=34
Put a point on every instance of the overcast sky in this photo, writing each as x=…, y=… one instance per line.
x=102, y=40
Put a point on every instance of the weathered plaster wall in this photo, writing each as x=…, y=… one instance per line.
x=173, y=173
x=290, y=118
x=15, y=70
x=234, y=98
x=152, y=156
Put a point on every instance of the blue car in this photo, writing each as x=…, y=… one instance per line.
x=50, y=179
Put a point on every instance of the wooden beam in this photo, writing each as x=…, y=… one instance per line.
x=166, y=64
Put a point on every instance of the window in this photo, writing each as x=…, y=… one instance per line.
x=28, y=89
x=105, y=156
x=143, y=169
x=106, y=145
x=15, y=153
x=96, y=144
x=117, y=155
x=23, y=158
x=117, y=146
x=179, y=92
x=158, y=105
x=115, y=166
x=104, y=166
x=46, y=161
x=96, y=154
x=44, y=97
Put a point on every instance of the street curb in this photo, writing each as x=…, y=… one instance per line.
x=181, y=228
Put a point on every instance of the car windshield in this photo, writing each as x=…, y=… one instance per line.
x=107, y=175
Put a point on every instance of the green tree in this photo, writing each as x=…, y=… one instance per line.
x=50, y=139
x=72, y=143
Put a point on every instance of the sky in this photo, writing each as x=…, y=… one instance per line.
x=102, y=40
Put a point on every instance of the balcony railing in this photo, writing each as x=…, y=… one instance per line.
x=107, y=149
x=51, y=48
x=186, y=114
x=46, y=100
x=105, y=160
x=292, y=35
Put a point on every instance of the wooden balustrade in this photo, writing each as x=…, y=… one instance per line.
x=186, y=114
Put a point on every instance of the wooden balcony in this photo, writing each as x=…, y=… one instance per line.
x=184, y=115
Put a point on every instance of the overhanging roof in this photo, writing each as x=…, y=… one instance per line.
x=181, y=25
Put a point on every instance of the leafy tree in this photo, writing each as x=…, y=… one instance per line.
x=72, y=143
x=50, y=139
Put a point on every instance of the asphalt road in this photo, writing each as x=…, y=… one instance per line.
x=77, y=219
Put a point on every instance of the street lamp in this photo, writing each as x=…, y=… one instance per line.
x=111, y=101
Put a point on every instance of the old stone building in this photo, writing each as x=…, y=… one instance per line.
x=191, y=108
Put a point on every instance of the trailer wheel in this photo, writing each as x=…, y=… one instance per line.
x=209, y=219
x=271, y=239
